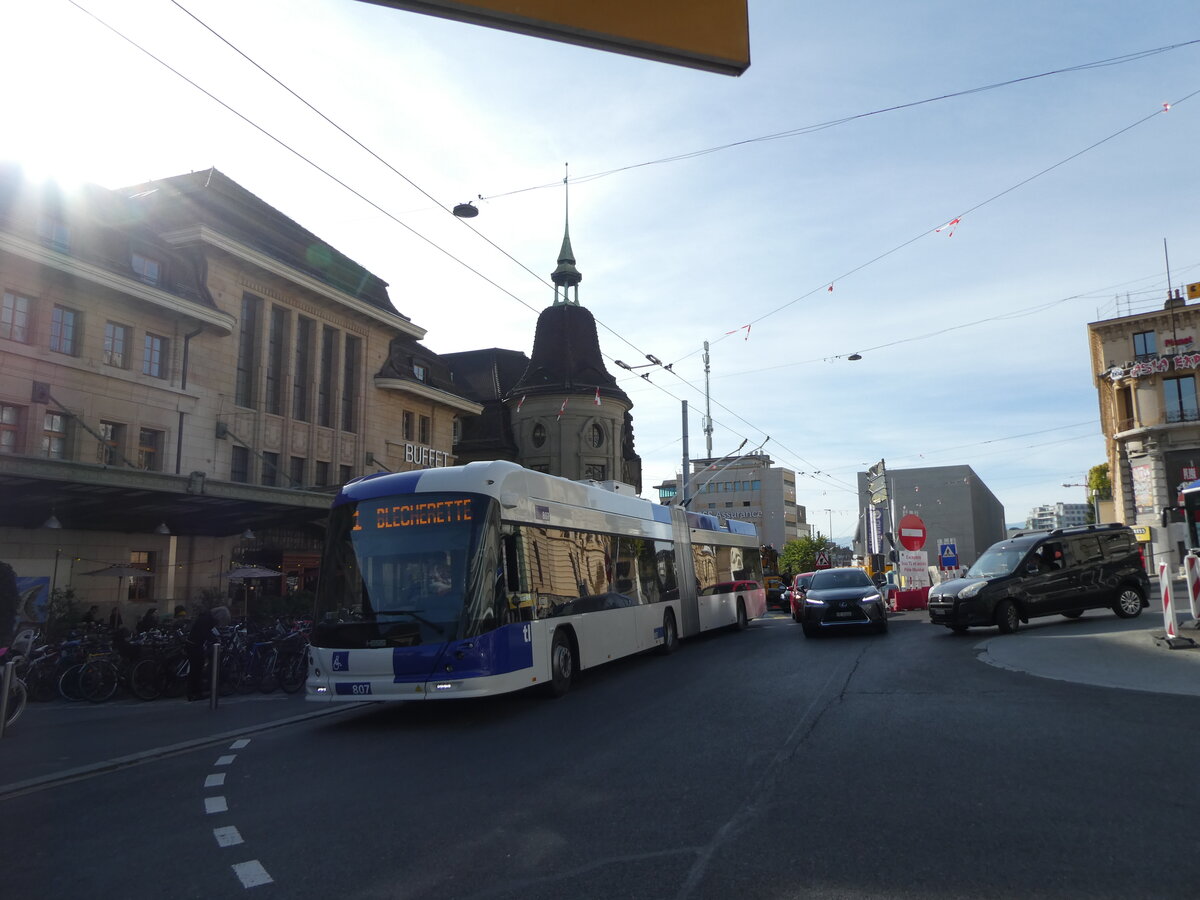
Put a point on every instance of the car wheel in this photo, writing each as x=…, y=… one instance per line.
x=810, y=630
x=1129, y=603
x=562, y=664
x=795, y=616
x=670, y=634
x=1008, y=617
x=1073, y=613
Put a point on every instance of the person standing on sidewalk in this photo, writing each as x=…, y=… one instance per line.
x=204, y=631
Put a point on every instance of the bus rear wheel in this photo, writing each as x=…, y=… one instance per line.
x=562, y=664
x=670, y=634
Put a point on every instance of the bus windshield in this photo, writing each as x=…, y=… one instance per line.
x=407, y=570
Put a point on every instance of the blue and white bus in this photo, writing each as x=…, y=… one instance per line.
x=485, y=578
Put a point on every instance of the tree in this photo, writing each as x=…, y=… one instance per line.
x=800, y=555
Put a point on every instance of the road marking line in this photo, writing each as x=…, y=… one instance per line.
x=215, y=780
x=252, y=874
x=238, y=745
x=227, y=836
x=215, y=805
x=225, y=760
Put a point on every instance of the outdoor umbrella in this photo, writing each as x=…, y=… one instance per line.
x=244, y=574
x=121, y=572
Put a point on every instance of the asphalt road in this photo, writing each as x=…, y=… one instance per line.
x=749, y=765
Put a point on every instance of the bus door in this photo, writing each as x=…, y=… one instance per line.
x=685, y=572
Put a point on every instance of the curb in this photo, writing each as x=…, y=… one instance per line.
x=31, y=785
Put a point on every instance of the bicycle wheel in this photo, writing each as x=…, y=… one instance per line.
x=98, y=680
x=293, y=672
x=231, y=674
x=175, y=675
x=68, y=683
x=17, y=695
x=146, y=679
x=41, y=684
x=270, y=676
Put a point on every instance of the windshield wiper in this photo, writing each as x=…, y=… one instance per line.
x=408, y=612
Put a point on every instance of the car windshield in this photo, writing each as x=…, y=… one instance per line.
x=1002, y=559
x=839, y=578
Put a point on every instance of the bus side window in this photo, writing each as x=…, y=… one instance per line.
x=511, y=571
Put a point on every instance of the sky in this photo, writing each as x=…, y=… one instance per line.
x=975, y=182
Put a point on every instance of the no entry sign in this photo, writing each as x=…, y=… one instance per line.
x=912, y=532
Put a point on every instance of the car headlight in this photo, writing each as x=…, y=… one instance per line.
x=972, y=589
x=811, y=602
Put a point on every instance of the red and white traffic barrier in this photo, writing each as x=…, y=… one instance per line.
x=1191, y=567
x=1170, y=628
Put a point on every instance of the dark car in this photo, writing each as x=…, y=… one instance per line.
x=1042, y=573
x=796, y=596
x=841, y=598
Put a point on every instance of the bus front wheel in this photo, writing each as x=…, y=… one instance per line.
x=562, y=664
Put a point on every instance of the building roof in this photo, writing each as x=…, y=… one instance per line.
x=566, y=357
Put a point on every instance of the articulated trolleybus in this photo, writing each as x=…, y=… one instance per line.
x=485, y=578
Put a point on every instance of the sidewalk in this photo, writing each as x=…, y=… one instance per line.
x=58, y=741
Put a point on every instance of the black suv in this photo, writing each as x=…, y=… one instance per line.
x=1040, y=573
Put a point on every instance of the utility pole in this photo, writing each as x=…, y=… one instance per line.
x=708, y=428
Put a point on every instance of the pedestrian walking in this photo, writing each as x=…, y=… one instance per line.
x=115, y=620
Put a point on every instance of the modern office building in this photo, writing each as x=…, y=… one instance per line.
x=1058, y=515
x=751, y=488
x=952, y=501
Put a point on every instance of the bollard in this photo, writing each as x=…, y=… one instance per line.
x=5, y=687
x=214, y=676
x=1191, y=567
x=1170, y=637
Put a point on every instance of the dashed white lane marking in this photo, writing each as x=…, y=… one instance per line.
x=215, y=805
x=252, y=874
x=239, y=744
x=217, y=779
x=225, y=760
x=227, y=836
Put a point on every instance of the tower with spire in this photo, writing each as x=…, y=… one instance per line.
x=569, y=417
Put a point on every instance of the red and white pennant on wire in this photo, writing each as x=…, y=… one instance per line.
x=745, y=328
x=597, y=400
x=562, y=409
x=951, y=225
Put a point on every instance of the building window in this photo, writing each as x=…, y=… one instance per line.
x=64, y=330
x=325, y=385
x=147, y=269
x=112, y=440
x=270, y=469
x=420, y=372
x=756, y=485
x=321, y=474
x=350, y=383
x=1179, y=399
x=423, y=434
x=595, y=471
x=539, y=434
x=54, y=233
x=116, y=345
x=302, y=369
x=406, y=425
x=345, y=474
x=456, y=433
x=141, y=586
x=10, y=428
x=276, y=359
x=54, y=436
x=296, y=467
x=728, y=504
x=149, y=454
x=1145, y=344
x=239, y=465
x=154, y=356
x=14, y=317
x=247, y=357
x=596, y=436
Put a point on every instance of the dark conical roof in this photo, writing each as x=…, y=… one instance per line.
x=566, y=357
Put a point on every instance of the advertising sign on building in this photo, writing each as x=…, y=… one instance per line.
x=914, y=567
x=1143, y=487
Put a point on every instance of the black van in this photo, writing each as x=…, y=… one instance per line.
x=1040, y=573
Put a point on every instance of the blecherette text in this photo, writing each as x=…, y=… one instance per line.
x=408, y=515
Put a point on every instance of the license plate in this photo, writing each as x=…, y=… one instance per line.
x=845, y=613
